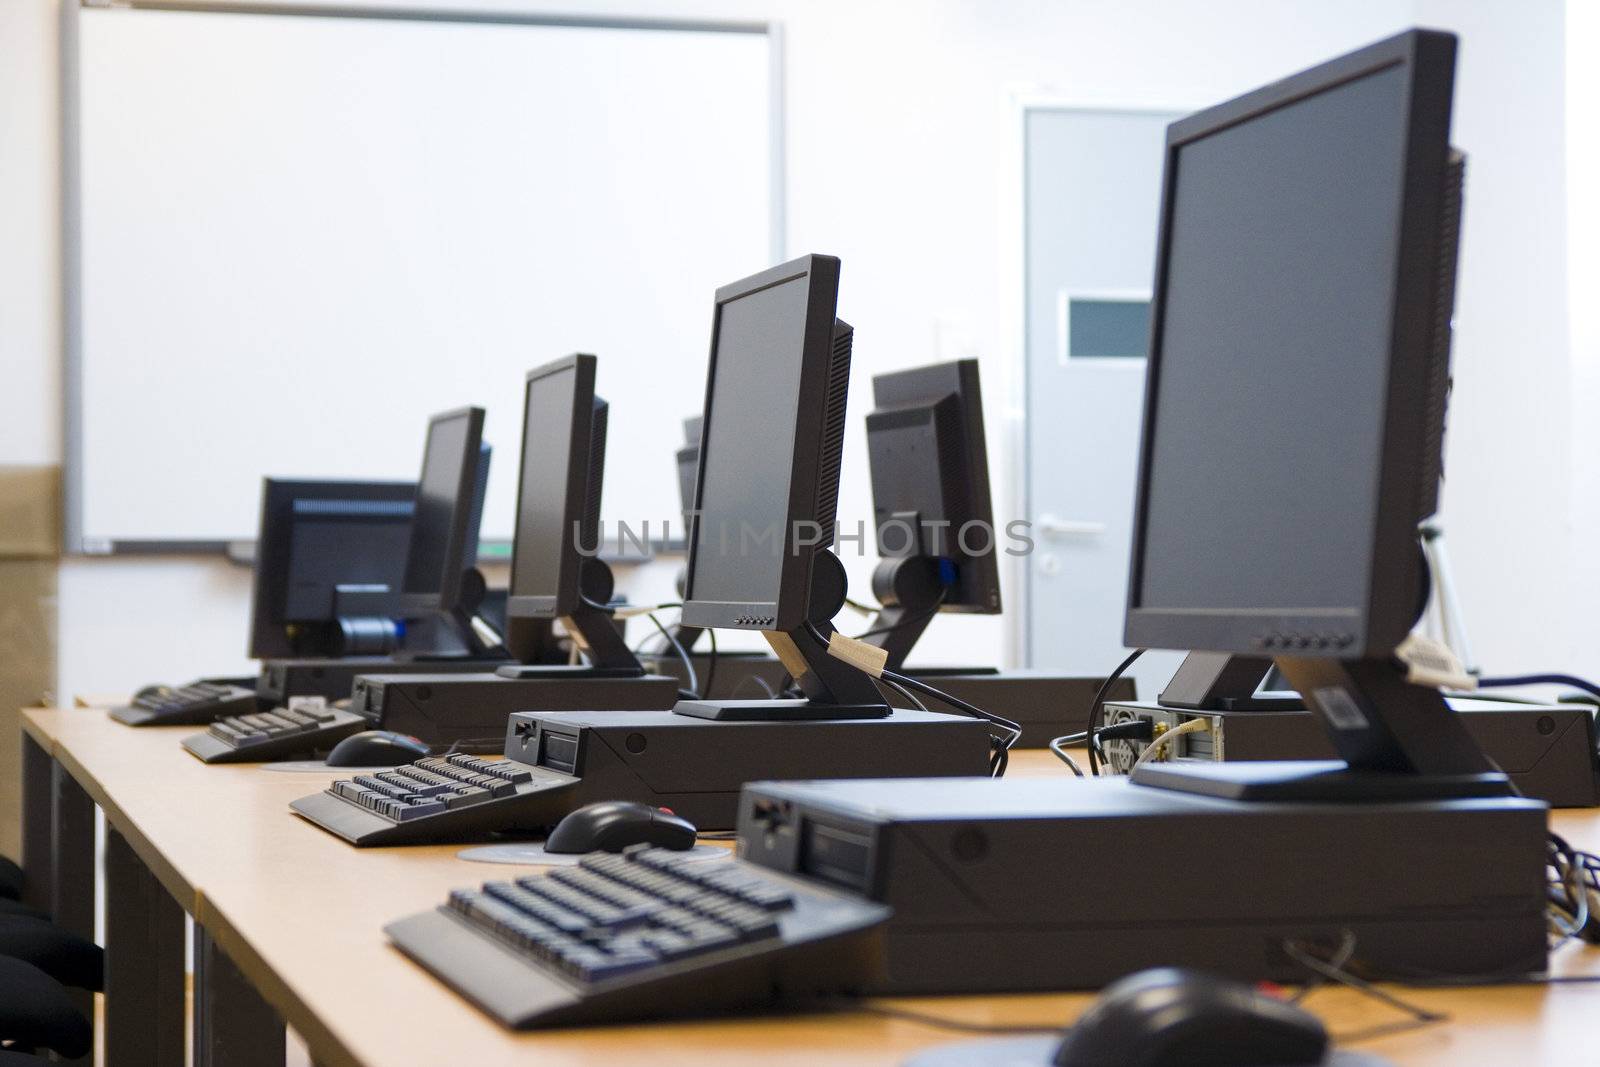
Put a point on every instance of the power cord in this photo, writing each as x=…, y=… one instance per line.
x=1097, y=708
x=905, y=693
x=1335, y=970
x=1574, y=892
x=1137, y=730
x=1010, y=731
x=623, y=610
x=959, y=1026
x=689, y=674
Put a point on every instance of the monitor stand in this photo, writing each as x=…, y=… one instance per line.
x=593, y=628
x=1398, y=742
x=1222, y=681
x=833, y=688
x=909, y=591
x=469, y=710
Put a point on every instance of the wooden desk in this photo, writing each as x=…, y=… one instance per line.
x=300, y=914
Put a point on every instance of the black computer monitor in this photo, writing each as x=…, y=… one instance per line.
x=556, y=572
x=930, y=502
x=440, y=580
x=768, y=484
x=1294, y=410
x=688, y=458
x=315, y=536
x=444, y=530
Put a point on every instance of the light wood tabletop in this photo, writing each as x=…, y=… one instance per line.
x=300, y=913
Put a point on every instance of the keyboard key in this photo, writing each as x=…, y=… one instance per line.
x=465, y=797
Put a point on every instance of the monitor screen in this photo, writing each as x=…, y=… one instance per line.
x=1272, y=361
x=542, y=520
x=748, y=445
x=315, y=536
x=439, y=494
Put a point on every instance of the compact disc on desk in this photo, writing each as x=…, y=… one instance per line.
x=533, y=854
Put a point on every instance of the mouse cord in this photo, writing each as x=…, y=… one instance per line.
x=1334, y=970
x=939, y=1022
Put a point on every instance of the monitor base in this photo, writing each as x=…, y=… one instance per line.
x=777, y=710
x=524, y=672
x=1317, y=781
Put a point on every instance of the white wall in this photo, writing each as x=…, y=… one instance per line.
x=898, y=157
x=1583, y=287
x=1509, y=455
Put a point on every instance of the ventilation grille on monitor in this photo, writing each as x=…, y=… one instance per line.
x=1438, y=397
x=590, y=535
x=827, y=508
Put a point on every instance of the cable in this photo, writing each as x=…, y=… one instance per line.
x=1512, y=680
x=1341, y=957
x=907, y=621
x=1334, y=970
x=1134, y=730
x=1096, y=708
x=957, y=1025
x=1056, y=746
x=1574, y=904
x=1191, y=726
x=688, y=664
x=856, y=605
x=624, y=610
x=904, y=692
x=1003, y=743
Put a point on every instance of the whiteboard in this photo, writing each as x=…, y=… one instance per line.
x=293, y=237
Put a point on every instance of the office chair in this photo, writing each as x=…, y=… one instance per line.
x=36, y=1012
x=65, y=957
x=9, y=908
x=10, y=880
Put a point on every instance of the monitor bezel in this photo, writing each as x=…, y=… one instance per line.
x=958, y=379
x=568, y=596
x=460, y=546
x=790, y=610
x=1396, y=567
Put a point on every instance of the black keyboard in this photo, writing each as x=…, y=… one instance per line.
x=441, y=798
x=194, y=704
x=276, y=734
x=642, y=935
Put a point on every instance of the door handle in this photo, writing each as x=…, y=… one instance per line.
x=1051, y=526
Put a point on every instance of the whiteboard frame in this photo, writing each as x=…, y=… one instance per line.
x=75, y=543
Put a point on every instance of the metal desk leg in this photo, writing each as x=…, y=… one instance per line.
x=144, y=963
x=72, y=862
x=58, y=848
x=233, y=1026
x=38, y=825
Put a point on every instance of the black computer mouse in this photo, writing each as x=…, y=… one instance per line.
x=613, y=825
x=377, y=748
x=1178, y=1018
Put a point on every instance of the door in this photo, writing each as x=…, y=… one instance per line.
x=1091, y=197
